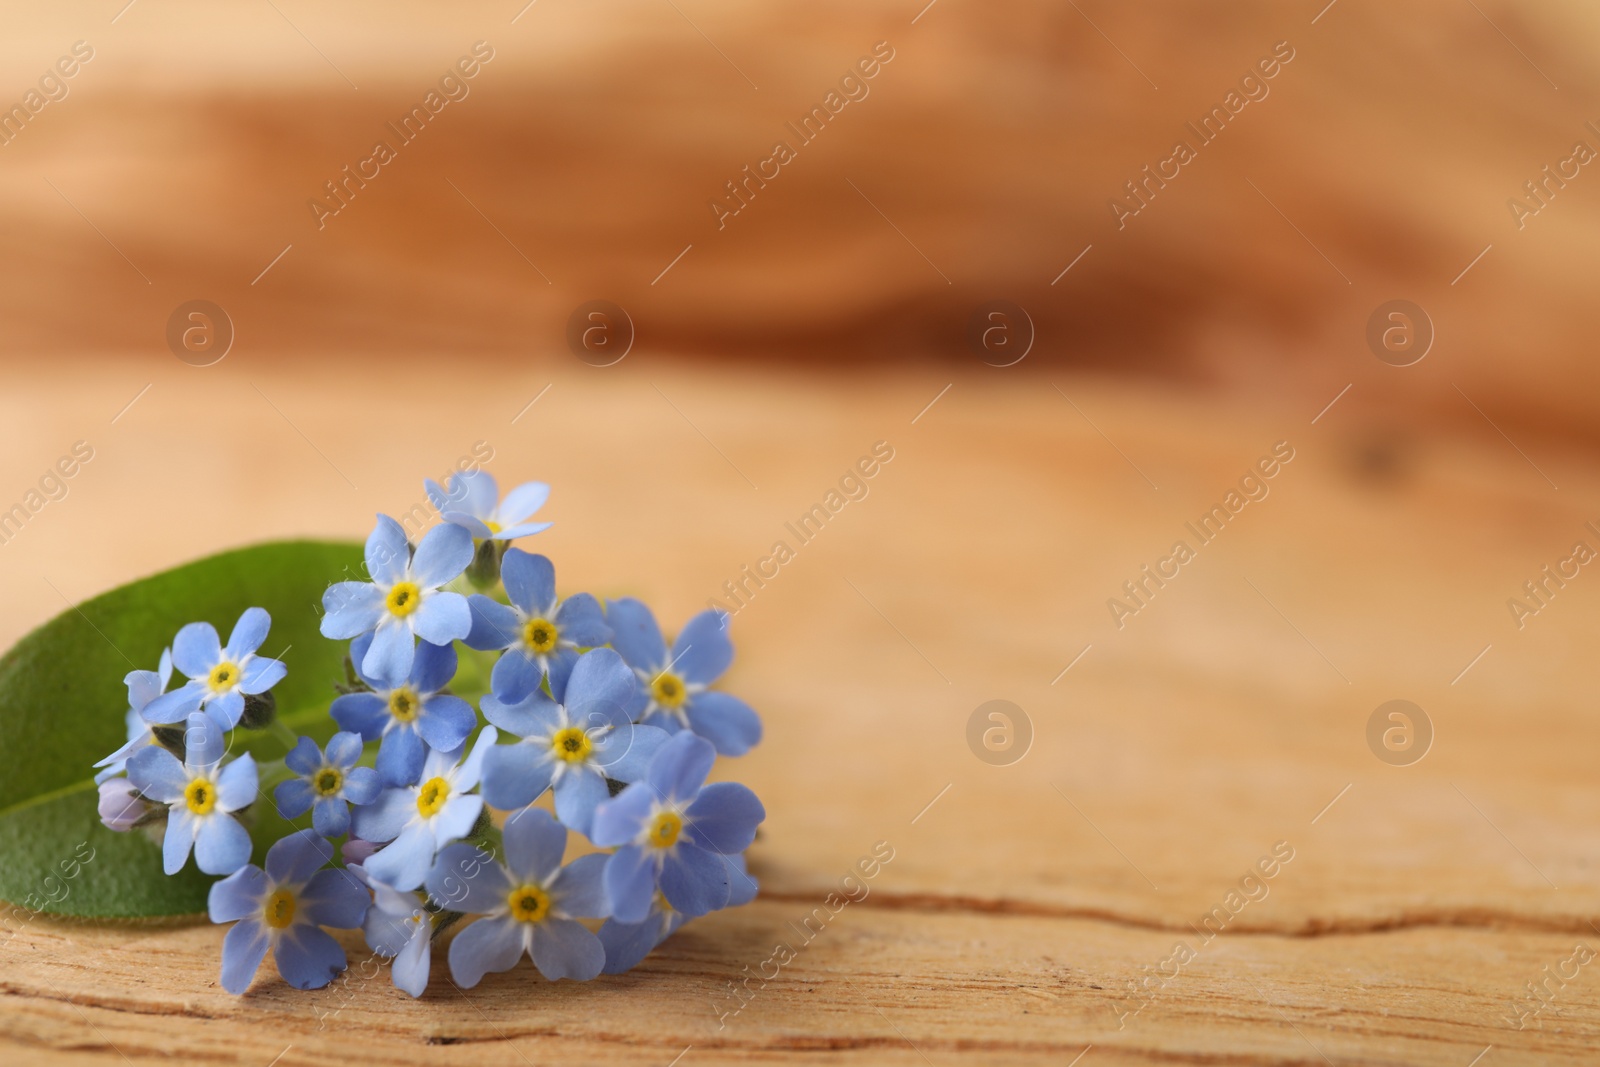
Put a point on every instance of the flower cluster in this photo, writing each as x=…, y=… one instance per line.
x=585, y=702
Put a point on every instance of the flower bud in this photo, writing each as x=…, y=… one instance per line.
x=259, y=711
x=121, y=806
x=484, y=570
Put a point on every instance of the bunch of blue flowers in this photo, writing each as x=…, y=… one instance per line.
x=586, y=702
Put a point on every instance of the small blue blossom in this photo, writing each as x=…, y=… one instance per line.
x=404, y=599
x=627, y=944
x=540, y=634
x=220, y=677
x=201, y=794
x=473, y=503
x=284, y=908
x=418, y=820
x=410, y=717
x=529, y=905
x=329, y=783
x=571, y=744
x=673, y=691
x=398, y=925
x=672, y=830
x=143, y=687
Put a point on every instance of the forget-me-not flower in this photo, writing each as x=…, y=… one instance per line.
x=673, y=691
x=201, y=794
x=473, y=503
x=404, y=599
x=328, y=783
x=143, y=687
x=410, y=717
x=540, y=634
x=284, y=908
x=398, y=925
x=627, y=944
x=418, y=820
x=220, y=677
x=530, y=904
x=571, y=744
x=672, y=830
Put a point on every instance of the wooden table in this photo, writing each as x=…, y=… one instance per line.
x=1031, y=911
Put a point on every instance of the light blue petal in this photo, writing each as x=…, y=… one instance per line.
x=530, y=581
x=577, y=796
x=693, y=880
x=344, y=748
x=384, y=818
x=443, y=553
x=702, y=652
x=238, y=785
x=456, y=818
x=680, y=768
x=294, y=858
x=534, y=843
x=486, y=946
x=334, y=898
x=741, y=887
x=535, y=715
x=565, y=949
x=560, y=669
x=627, y=944
x=362, y=785
x=196, y=649
x=626, y=754
x=393, y=648
x=175, y=706
x=242, y=951
x=388, y=926
x=357, y=653
x=435, y=665
x=221, y=845
x=630, y=883
x=581, y=621
x=516, y=676
x=599, y=689
x=305, y=757
x=350, y=609
x=225, y=710
x=330, y=816
x=387, y=552
x=362, y=713
x=514, y=775
x=445, y=721
x=522, y=529
x=440, y=500
x=619, y=820
x=522, y=502
x=143, y=687
x=579, y=888
x=261, y=674
x=158, y=774
x=494, y=625
x=241, y=893
x=203, y=744
x=178, y=840
x=404, y=863
x=307, y=957
x=726, y=721
x=442, y=617
x=472, y=766
x=248, y=633
x=400, y=757
x=475, y=492
x=410, y=969
x=724, y=818
x=293, y=797
x=466, y=878
x=634, y=633
x=474, y=526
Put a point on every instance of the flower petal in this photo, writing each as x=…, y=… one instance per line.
x=238, y=895
x=515, y=775
x=564, y=949
x=404, y=863
x=307, y=957
x=389, y=923
x=362, y=785
x=680, y=768
x=143, y=687
x=293, y=859
x=494, y=625
x=726, y=721
x=455, y=820
x=466, y=878
x=384, y=818
x=522, y=502
x=724, y=817
x=693, y=880
x=634, y=633
x=475, y=492
x=410, y=969
x=435, y=665
x=261, y=674
x=474, y=526
x=487, y=945
x=443, y=617
x=362, y=713
x=445, y=721
x=334, y=898
x=626, y=944
x=443, y=553
x=626, y=753
x=599, y=689
x=440, y=499
x=294, y=797
x=630, y=883
x=330, y=816
x=305, y=757
x=238, y=785
x=248, y=633
x=472, y=766
x=581, y=621
x=400, y=757
x=702, y=652
x=579, y=888
x=619, y=820
x=390, y=655
x=226, y=709
x=742, y=888
x=516, y=676
x=158, y=774
x=350, y=609
x=203, y=743
x=387, y=552
x=221, y=845
x=344, y=748
x=196, y=649
x=178, y=840
x=522, y=529
x=175, y=706
x=530, y=581
x=242, y=951
x=535, y=715
x=577, y=796
x=534, y=843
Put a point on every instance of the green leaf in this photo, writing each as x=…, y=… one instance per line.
x=62, y=702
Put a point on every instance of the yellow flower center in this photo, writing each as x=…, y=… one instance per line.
x=404, y=704
x=669, y=690
x=328, y=781
x=540, y=635
x=279, y=909
x=665, y=828
x=403, y=598
x=224, y=676
x=494, y=527
x=661, y=904
x=529, y=903
x=572, y=745
x=201, y=796
x=432, y=795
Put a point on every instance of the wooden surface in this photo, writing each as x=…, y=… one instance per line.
x=1022, y=900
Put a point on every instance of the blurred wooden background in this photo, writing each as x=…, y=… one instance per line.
x=1168, y=756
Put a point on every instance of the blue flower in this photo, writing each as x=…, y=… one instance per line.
x=284, y=908
x=529, y=905
x=540, y=634
x=219, y=677
x=328, y=783
x=143, y=687
x=473, y=503
x=403, y=601
x=200, y=794
x=398, y=925
x=627, y=944
x=672, y=829
x=410, y=716
x=672, y=689
x=418, y=820
x=573, y=745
